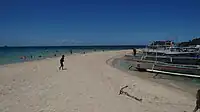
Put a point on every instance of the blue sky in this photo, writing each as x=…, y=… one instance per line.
x=89, y=22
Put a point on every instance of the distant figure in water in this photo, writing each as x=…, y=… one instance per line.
x=54, y=54
x=71, y=51
x=40, y=56
x=62, y=62
x=23, y=57
x=197, y=101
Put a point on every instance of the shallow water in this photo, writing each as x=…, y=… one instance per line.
x=186, y=84
x=14, y=54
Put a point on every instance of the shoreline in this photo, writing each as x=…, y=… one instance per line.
x=13, y=54
x=56, y=57
x=162, y=79
x=88, y=84
x=44, y=58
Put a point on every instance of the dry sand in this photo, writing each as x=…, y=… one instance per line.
x=88, y=85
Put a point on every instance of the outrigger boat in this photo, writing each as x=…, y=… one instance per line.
x=159, y=61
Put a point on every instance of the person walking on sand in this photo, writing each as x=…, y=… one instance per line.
x=62, y=62
x=197, y=107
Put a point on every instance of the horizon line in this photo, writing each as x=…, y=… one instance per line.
x=72, y=45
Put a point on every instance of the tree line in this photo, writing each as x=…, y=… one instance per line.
x=195, y=41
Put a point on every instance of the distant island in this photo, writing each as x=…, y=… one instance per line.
x=195, y=41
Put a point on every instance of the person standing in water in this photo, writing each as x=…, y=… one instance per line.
x=62, y=62
x=197, y=107
x=71, y=51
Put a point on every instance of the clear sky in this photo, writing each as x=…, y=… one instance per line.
x=87, y=22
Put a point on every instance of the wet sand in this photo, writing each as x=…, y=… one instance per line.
x=186, y=84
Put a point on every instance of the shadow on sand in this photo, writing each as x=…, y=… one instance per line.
x=64, y=69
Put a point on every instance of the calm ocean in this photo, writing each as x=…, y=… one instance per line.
x=10, y=55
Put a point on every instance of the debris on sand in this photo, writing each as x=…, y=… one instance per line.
x=127, y=94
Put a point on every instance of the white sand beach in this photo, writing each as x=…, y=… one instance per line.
x=88, y=85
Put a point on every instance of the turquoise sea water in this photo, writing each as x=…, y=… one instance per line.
x=186, y=83
x=15, y=54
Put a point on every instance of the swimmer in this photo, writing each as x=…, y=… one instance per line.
x=23, y=57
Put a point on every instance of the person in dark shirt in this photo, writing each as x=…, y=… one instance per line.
x=62, y=62
x=197, y=101
x=71, y=51
x=134, y=51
